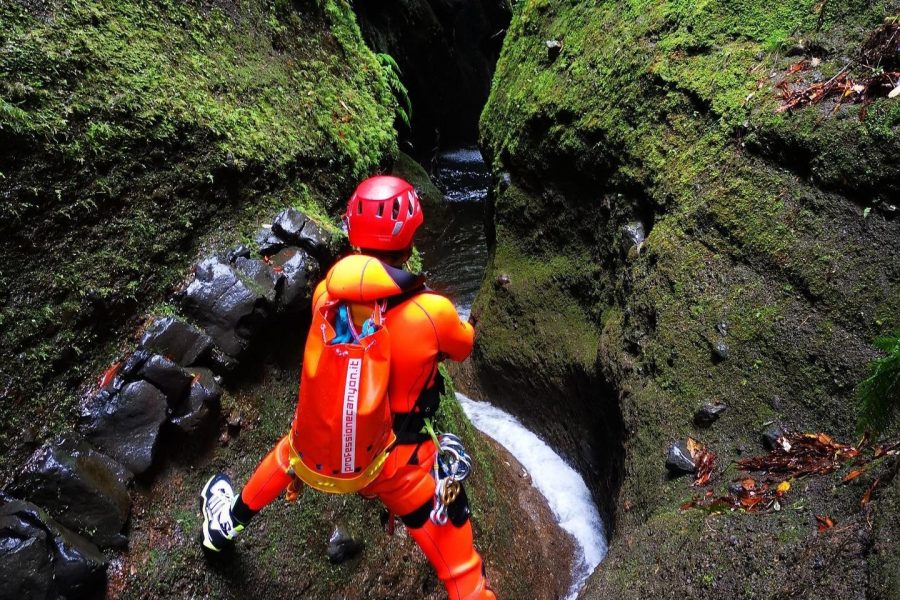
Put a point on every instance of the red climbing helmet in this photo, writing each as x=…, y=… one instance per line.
x=383, y=214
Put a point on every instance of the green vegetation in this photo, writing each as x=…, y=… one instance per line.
x=393, y=74
x=879, y=393
x=136, y=136
x=665, y=112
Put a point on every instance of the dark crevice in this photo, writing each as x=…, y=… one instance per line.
x=446, y=51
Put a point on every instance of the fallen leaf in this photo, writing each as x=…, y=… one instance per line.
x=824, y=523
x=748, y=484
x=694, y=447
x=894, y=92
x=688, y=504
x=783, y=487
x=852, y=475
x=859, y=89
x=867, y=497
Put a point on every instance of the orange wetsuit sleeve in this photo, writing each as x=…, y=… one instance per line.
x=455, y=337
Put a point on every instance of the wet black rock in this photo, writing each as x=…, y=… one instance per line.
x=709, y=413
x=771, y=436
x=261, y=275
x=81, y=488
x=241, y=251
x=288, y=225
x=26, y=565
x=554, y=47
x=222, y=363
x=168, y=377
x=227, y=305
x=267, y=242
x=175, y=339
x=203, y=399
x=127, y=426
x=300, y=270
x=341, y=547
x=130, y=371
x=315, y=239
x=78, y=565
x=719, y=351
x=678, y=459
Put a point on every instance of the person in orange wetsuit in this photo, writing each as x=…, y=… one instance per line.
x=382, y=217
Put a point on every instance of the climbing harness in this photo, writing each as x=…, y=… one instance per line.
x=451, y=466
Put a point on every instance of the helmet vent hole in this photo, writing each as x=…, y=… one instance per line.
x=395, y=210
x=359, y=207
x=411, y=207
x=380, y=211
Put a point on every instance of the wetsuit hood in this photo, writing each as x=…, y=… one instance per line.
x=361, y=278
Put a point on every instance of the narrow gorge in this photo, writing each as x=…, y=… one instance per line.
x=683, y=235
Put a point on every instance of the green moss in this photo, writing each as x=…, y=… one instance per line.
x=666, y=112
x=137, y=137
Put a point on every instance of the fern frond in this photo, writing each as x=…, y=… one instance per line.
x=879, y=393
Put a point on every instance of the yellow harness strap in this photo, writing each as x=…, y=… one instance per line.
x=339, y=485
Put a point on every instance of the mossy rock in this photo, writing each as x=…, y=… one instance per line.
x=134, y=138
x=666, y=113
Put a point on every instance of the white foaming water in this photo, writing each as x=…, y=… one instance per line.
x=562, y=486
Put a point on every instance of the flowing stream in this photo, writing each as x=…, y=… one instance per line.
x=454, y=253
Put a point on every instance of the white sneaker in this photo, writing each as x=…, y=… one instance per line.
x=219, y=528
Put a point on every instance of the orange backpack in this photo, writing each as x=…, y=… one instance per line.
x=342, y=430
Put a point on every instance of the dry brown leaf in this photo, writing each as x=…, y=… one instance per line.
x=824, y=523
x=852, y=475
x=867, y=497
x=748, y=484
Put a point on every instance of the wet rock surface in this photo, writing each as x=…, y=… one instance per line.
x=80, y=487
x=177, y=340
x=168, y=377
x=78, y=566
x=341, y=546
x=709, y=413
x=678, y=459
x=228, y=306
x=126, y=425
x=262, y=278
x=300, y=271
x=267, y=242
x=26, y=569
x=201, y=402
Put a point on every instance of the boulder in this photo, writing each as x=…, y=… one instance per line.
x=130, y=371
x=178, y=341
x=26, y=567
x=78, y=565
x=81, y=488
x=288, y=225
x=297, y=229
x=204, y=395
x=299, y=271
x=341, y=546
x=169, y=378
x=261, y=276
x=240, y=251
x=127, y=425
x=228, y=305
x=267, y=242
